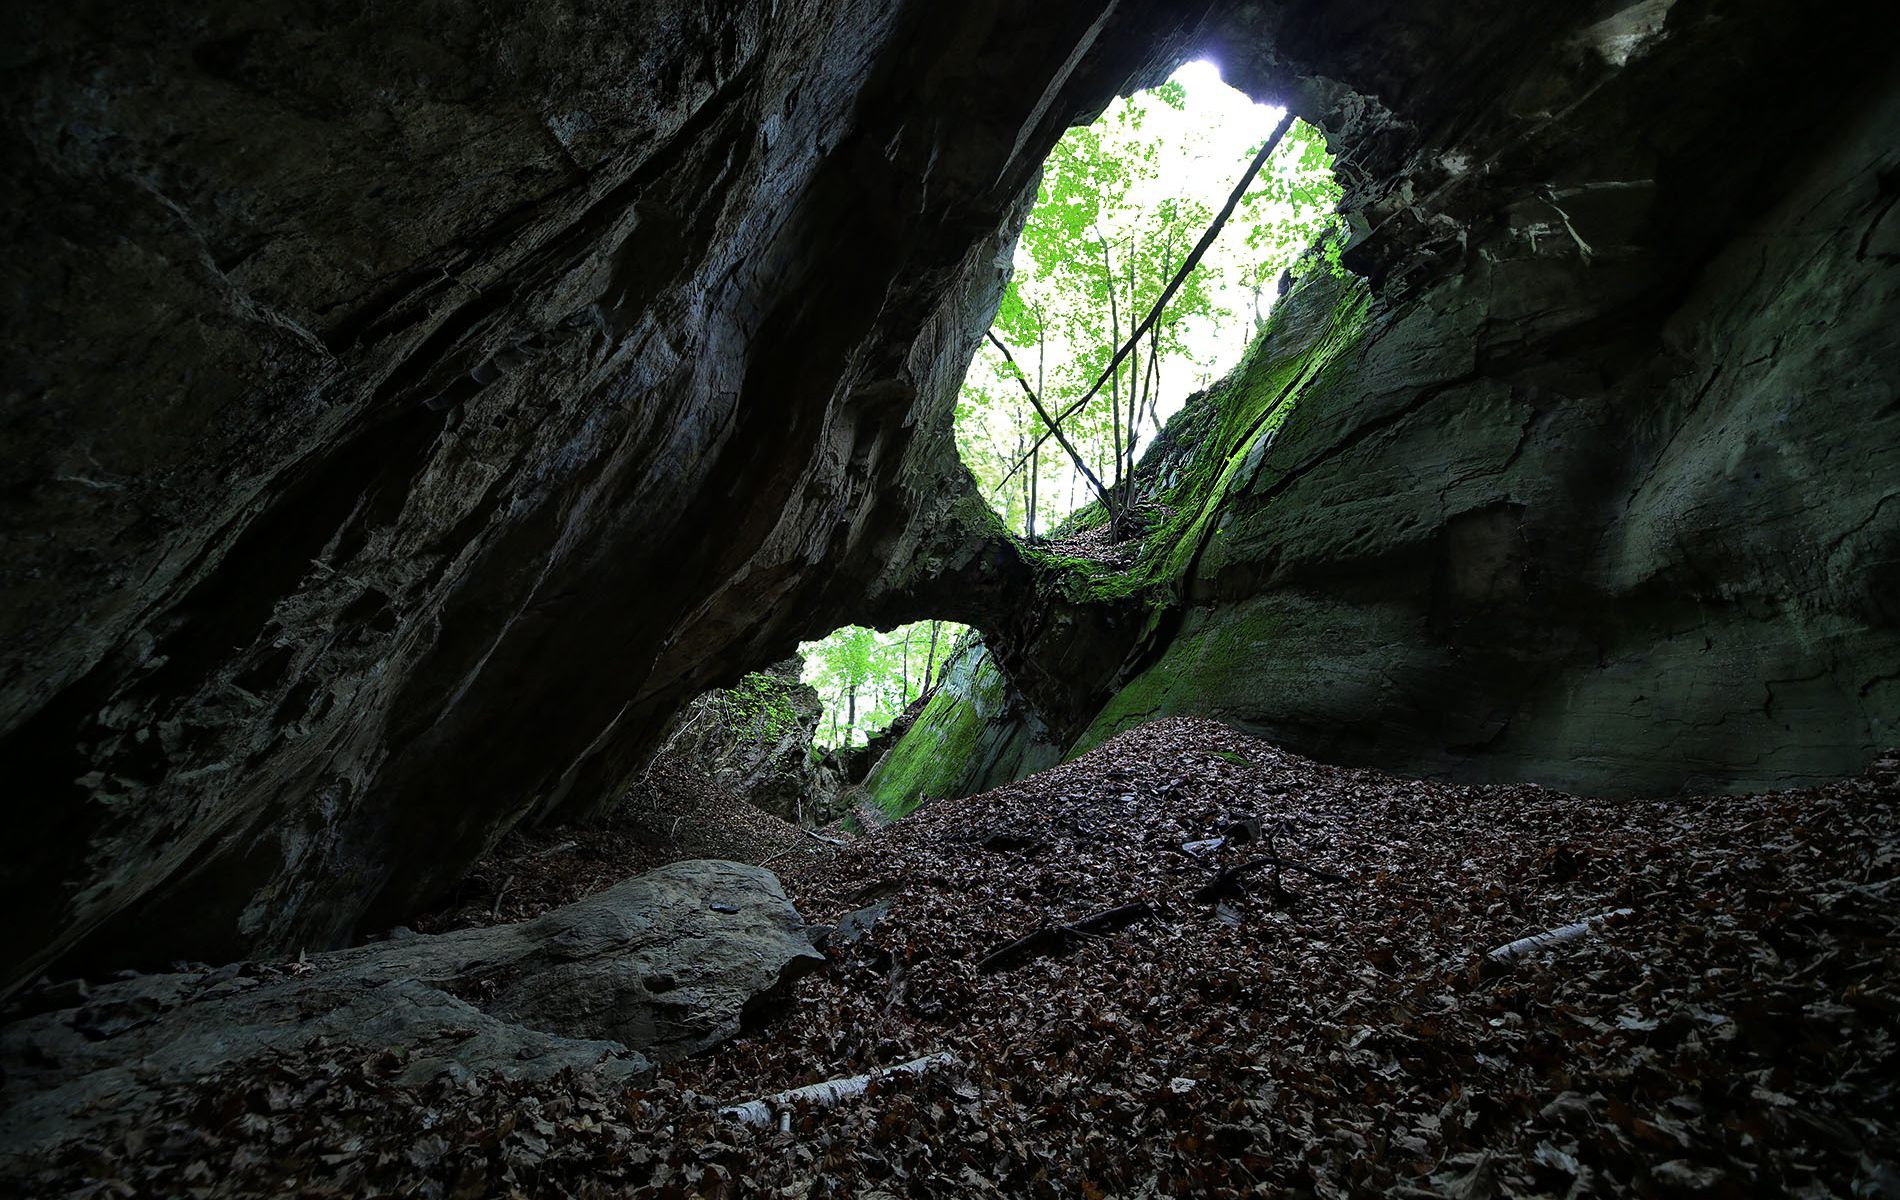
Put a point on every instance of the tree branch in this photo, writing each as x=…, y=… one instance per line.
x=1108, y=502
x=1161, y=303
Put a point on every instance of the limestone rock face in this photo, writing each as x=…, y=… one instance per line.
x=975, y=732
x=652, y=969
x=1598, y=486
x=410, y=408
x=755, y=740
x=1601, y=492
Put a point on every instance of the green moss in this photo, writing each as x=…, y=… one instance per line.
x=1209, y=443
x=1207, y=670
x=940, y=749
x=1240, y=414
x=1211, y=451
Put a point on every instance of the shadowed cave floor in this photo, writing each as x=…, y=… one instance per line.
x=1307, y=1034
x=670, y=814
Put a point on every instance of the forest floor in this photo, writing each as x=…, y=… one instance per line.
x=670, y=814
x=1331, y=1027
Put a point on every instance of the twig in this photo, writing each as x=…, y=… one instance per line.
x=1554, y=937
x=778, y=854
x=813, y=833
x=495, y=912
x=553, y=850
x=830, y=1093
x=1222, y=883
x=1054, y=939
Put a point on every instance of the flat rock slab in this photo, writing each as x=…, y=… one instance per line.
x=650, y=970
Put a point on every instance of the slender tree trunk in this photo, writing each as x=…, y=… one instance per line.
x=1035, y=463
x=1135, y=376
x=930, y=657
x=1062, y=439
x=1182, y=272
x=904, y=666
x=1029, y=499
x=1034, y=486
x=1154, y=367
x=1114, y=386
x=851, y=713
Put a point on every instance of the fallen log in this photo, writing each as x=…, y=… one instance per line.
x=830, y=1093
x=1223, y=883
x=1554, y=937
x=1055, y=939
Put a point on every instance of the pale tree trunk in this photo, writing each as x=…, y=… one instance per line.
x=1114, y=384
x=1062, y=439
x=1135, y=376
x=1029, y=495
x=1035, y=485
x=930, y=657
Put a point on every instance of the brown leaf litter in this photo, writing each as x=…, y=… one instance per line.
x=1322, y=1023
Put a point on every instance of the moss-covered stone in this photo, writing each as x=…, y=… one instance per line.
x=973, y=734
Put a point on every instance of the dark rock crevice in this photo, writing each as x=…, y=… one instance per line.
x=490, y=385
x=410, y=411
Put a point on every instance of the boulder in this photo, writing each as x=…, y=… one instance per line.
x=754, y=740
x=650, y=970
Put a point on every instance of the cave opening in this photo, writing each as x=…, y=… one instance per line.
x=866, y=679
x=1318, y=822
x=1049, y=431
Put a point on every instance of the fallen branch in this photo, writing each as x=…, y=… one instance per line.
x=830, y=1093
x=813, y=833
x=1167, y=293
x=1054, y=939
x=1554, y=937
x=495, y=912
x=563, y=848
x=773, y=857
x=1108, y=502
x=1223, y=883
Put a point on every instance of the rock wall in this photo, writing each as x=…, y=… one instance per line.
x=1596, y=489
x=976, y=731
x=1600, y=496
x=410, y=408
x=754, y=740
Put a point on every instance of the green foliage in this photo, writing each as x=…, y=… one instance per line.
x=761, y=705
x=1120, y=204
x=865, y=678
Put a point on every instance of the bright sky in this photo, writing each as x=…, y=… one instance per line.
x=1209, y=141
x=1203, y=149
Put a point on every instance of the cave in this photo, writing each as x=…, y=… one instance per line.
x=412, y=412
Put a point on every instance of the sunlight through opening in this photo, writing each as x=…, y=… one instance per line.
x=867, y=678
x=1121, y=204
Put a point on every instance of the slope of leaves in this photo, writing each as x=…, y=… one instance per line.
x=1327, y=1026
x=671, y=813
